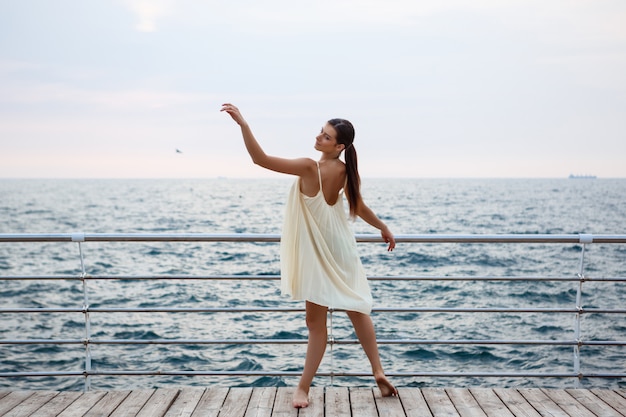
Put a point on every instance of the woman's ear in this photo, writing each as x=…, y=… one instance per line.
x=341, y=147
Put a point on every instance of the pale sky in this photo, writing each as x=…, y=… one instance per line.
x=455, y=88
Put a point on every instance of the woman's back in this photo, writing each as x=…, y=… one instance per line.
x=333, y=174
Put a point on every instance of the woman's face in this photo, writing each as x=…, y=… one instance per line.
x=326, y=140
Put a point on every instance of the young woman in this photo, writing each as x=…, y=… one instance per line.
x=319, y=260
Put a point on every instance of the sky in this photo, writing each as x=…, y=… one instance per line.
x=435, y=89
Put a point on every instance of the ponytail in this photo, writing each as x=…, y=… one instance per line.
x=345, y=136
x=353, y=180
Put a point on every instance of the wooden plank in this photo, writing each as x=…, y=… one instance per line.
x=316, y=403
x=57, y=404
x=611, y=398
x=283, y=406
x=593, y=403
x=261, y=402
x=236, y=402
x=490, y=403
x=107, y=404
x=439, y=403
x=13, y=399
x=159, y=402
x=413, y=402
x=82, y=404
x=31, y=404
x=516, y=403
x=133, y=403
x=337, y=402
x=362, y=402
x=542, y=403
x=568, y=403
x=4, y=393
x=211, y=402
x=185, y=403
x=465, y=403
x=388, y=406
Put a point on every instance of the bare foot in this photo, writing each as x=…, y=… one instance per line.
x=300, y=398
x=386, y=388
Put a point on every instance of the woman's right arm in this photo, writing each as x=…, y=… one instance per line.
x=366, y=213
x=300, y=166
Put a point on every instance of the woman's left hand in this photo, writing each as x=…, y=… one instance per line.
x=388, y=238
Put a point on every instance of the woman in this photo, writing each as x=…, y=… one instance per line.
x=319, y=261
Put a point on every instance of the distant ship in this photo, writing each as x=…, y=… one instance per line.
x=582, y=177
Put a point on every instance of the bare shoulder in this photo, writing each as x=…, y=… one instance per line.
x=310, y=165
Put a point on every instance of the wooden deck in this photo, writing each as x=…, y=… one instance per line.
x=325, y=402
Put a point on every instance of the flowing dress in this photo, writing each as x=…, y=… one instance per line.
x=318, y=253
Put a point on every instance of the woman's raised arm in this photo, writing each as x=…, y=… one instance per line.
x=299, y=166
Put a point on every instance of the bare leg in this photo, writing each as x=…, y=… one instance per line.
x=364, y=329
x=318, y=337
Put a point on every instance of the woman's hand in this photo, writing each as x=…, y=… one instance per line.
x=388, y=238
x=234, y=112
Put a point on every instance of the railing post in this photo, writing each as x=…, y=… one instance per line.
x=80, y=237
x=331, y=342
x=584, y=240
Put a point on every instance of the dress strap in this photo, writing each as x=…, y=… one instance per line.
x=319, y=174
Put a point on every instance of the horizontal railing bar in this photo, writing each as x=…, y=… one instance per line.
x=260, y=237
x=277, y=277
x=504, y=238
x=324, y=374
x=493, y=278
x=43, y=342
x=138, y=237
x=300, y=309
x=153, y=310
x=304, y=341
x=500, y=310
x=143, y=277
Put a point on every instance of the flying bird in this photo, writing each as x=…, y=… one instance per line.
x=178, y=151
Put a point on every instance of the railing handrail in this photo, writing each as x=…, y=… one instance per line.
x=583, y=238
x=577, y=341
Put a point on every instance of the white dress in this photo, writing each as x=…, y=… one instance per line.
x=318, y=255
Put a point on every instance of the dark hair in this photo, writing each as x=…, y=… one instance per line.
x=345, y=136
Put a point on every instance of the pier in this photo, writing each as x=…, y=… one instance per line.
x=325, y=402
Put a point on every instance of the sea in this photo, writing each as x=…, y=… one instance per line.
x=249, y=206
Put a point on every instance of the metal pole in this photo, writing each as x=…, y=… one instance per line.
x=79, y=237
x=577, y=317
x=331, y=342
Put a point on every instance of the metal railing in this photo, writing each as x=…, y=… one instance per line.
x=577, y=311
